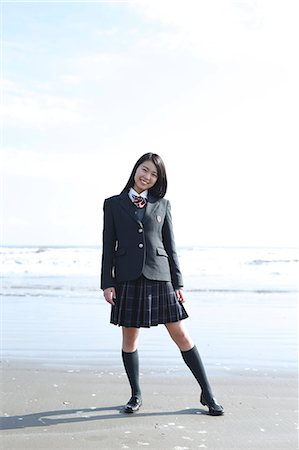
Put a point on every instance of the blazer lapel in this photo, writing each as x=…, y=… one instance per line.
x=151, y=206
x=130, y=209
x=128, y=205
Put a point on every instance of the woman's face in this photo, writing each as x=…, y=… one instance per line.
x=146, y=176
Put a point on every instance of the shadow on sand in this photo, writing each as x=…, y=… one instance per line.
x=49, y=418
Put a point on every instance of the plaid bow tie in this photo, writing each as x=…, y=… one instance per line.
x=139, y=201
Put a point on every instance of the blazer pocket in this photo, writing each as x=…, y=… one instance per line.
x=161, y=252
x=120, y=252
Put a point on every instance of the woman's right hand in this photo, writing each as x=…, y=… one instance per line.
x=110, y=295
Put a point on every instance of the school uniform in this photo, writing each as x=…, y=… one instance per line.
x=140, y=261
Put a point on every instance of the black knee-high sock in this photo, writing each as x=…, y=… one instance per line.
x=194, y=362
x=131, y=363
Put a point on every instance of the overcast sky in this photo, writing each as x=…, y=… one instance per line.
x=210, y=85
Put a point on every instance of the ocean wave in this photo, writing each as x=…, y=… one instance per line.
x=94, y=291
x=250, y=269
x=273, y=261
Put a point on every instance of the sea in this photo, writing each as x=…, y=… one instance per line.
x=242, y=305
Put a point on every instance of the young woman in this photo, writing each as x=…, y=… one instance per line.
x=140, y=274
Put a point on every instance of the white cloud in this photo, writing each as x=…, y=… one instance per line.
x=226, y=131
x=224, y=29
x=96, y=67
x=52, y=165
x=109, y=32
x=104, y=171
x=23, y=107
x=17, y=222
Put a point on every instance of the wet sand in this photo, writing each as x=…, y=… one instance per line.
x=231, y=329
x=63, y=383
x=65, y=408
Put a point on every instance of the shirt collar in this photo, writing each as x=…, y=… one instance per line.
x=133, y=192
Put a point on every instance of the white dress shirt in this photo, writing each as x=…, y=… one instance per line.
x=133, y=192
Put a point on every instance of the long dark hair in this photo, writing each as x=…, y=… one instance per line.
x=160, y=187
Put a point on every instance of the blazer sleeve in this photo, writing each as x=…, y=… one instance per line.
x=170, y=247
x=108, y=248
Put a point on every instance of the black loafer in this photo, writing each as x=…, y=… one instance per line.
x=133, y=405
x=215, y=409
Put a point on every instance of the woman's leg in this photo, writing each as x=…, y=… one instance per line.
x=130, y=339
x=192, y=359
x=179, y=335
x=131, y=364
x=190, y=355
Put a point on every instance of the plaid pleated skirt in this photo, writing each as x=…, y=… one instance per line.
x=146, y=303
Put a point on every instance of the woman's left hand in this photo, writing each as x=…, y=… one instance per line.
x=180, y=295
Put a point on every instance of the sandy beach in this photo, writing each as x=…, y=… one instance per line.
x=46, y=408
x=62, y=380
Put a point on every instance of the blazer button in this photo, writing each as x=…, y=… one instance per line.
x=140, y=245
x=140, y=230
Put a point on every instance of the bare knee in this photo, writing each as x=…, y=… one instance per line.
x=180, y=336
x=130, y=339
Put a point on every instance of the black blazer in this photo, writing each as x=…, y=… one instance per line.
x=132, y=248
